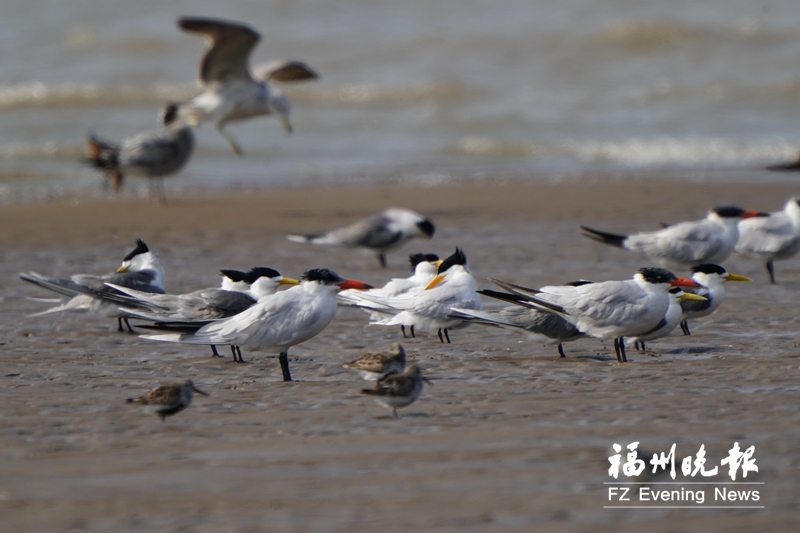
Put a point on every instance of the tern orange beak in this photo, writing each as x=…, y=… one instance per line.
x=354, y=284
x=684, y=282
x=435, y=281
x=753, y=213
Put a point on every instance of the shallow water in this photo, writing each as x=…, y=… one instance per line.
x=415, y=91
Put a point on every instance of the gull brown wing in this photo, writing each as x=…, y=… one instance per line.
x=231, y=45
x=285, y=71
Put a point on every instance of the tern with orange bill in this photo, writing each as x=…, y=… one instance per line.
x=275, y=323
x=686, y=244
x=429, y=310
x=610, y=309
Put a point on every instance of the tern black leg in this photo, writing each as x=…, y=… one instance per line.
x=622, y=349
x=394, y=410
x=561, y=350
x=128, y=325
x=413, y=335
x=382, y=260
x=441, y=339
x=284, y=360
x=771, y=272
x=237, y=355
x=616, y=350
x=403, y=329
x=214, y=351
x=447, y=336
x=119, y=325
x=685, y=327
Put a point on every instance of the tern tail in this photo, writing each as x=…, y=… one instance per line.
x=614, y=239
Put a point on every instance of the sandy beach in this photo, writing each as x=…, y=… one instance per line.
x=509, y=437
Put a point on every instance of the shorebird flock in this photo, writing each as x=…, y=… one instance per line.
x=249, y=311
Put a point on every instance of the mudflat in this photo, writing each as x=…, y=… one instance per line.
x=509, y=438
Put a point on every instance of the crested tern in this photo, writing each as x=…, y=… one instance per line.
x=771, y=238
x=712, y=279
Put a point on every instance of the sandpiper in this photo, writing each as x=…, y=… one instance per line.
x=376, y=366
x=168, y=399
x=399, y=390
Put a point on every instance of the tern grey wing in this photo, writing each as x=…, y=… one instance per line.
x=227, y=58
x=65, y=287
x=686, y=243
x=212, y=304
x=142, y=280
x=285, y=71
x=766, y=235
x=375, y=233
x=157, y=153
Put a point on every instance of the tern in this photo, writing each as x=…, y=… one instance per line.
x=377, y=365
x=538, y=326
x=771, y=238
x=277, y=322
x=140, y=270
x=424, y=266
x=611, y=309
x=429, y=310
x=205, y=305
x=399, y=390
x=684, y=245
x=168, y=399
x=712, y=279
x=153, y=155
x=231, y=91
x=380, y=233
x=671, y=318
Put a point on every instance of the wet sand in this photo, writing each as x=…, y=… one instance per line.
x=509, y=438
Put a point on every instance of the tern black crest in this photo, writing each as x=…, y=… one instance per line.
x=322, y=275
x=233, y=275
x=261, y=272
x=710, y=268
x=458, y=258
x=657, y=275
x=416, y=259
x=729, y=211
x=426, y=227
x=141, y=248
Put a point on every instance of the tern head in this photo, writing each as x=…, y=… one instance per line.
x=734, y=213
x=792, y=209
x=139, y=259
x=662, y=276
x=264, y=281
x=709, y=274
x=233, y=280
x=416, y=259
x=325, y=277
x=412, y=223
x=455, y=262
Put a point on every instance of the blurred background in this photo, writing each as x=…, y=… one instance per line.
x=414, y=92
